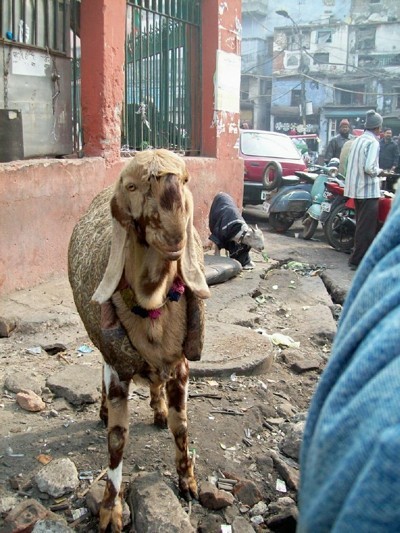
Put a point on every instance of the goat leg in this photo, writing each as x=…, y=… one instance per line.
x=177, y=391
x=118, y=420
x=157, y=403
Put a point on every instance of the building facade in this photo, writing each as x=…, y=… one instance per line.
x=332, y=60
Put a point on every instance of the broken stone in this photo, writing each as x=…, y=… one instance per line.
x=24, y=516
x=58, y=477
x=7, y=325
x=76, y=384
x=259, y=508
x=291, y=443
x=247, y=492
x=53, y=349
x=7, y=503
x=30, y=401
x=155, y=507
x=241, y=525
x=281, y=505
x=285, y=409
x=213, y=498
x=19, y=381
x=285, y=521
x=95, y=496
x=305, y=365
x=50, y=525
x=290, y=475
x=211, y=523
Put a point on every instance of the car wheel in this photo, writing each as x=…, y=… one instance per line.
x=272, y=178
x=280, y=222
x=309, y=227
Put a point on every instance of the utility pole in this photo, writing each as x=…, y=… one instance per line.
x=302, y=65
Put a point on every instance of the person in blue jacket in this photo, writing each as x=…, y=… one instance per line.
x=350, y=454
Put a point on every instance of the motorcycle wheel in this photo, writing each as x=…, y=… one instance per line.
x=339, y=231
x=280, y=222
x=309, y=227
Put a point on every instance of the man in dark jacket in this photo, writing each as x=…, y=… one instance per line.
x=335, y=145
x=388, y=152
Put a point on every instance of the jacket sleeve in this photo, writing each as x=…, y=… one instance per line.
x=330, y=149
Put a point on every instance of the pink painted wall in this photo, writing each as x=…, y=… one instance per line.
x=41, y=200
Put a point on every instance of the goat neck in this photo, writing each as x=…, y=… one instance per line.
x=148, y=273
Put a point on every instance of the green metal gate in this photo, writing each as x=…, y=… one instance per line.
x=163, y=76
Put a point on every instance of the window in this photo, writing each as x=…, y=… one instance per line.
x=350, y=95
x=321, y=58
x=296, y=97
x=297, y=40
x=324, y=36
x=396, y=98
x=365, y=38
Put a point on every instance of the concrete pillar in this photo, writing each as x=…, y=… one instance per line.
x=221, y=31
x=102, y=76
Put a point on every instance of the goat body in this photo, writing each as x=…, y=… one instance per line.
x=137, y=254
x=229, y=230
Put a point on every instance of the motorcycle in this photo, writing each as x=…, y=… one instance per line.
x=319, y=196
x=291, y=200
x=339, y=217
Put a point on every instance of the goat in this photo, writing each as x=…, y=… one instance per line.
x=137, y=254
x=229, y=231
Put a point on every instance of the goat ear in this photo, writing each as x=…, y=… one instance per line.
x=116, y=260
x=191, y=262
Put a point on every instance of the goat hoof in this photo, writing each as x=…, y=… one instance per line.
x=111, y=517
x=160, y=421
x=188, y=489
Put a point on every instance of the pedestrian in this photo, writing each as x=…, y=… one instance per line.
x=335, y=145
x=349, y=459
x=389, y=152
x=363, y=184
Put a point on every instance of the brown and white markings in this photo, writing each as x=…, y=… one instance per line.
x=137, y=250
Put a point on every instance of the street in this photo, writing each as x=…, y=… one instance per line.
x=245, y=419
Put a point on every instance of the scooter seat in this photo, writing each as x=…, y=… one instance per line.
x=308, y=177
x=290, y=180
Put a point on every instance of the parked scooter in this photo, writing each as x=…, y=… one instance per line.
x=339, y=218
x=291, y=201
x=319, y=196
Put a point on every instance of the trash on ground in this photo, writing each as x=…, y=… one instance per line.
x=283, y=340
x=10, y=453
x=86, y=474
x=44, y=459
x=281, y=485
x=84, y=348
x=35, y=350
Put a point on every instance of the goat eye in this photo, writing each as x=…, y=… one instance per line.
x=131, y=187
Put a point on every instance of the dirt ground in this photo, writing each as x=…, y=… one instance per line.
x=233, y=422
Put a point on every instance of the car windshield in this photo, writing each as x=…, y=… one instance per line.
x=266, y=145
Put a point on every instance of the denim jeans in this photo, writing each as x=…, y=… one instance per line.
x=350, y=455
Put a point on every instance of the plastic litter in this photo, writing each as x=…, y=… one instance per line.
x=226, y=528
x=84, y=348
x=11, y=453
x=283, y=340
x=35, y=350
x=281, y=485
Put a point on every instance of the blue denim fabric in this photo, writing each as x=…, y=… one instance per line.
x=350, y=455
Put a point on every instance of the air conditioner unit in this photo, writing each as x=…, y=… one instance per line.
x=292, y=60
